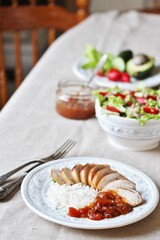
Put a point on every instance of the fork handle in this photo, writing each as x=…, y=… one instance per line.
x=7, y=175
x=6, y=189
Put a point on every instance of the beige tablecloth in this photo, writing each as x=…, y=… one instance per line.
x=30, y=126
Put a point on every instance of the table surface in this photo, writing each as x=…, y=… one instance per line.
x=30, y=126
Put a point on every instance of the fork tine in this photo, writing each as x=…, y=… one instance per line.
x=61, y=151
x=66, y=150
x=58, y=150
x=63, y=148
x=59, y=154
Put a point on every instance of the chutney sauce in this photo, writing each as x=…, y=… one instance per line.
x=106, y=205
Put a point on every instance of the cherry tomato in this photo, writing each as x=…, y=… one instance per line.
x=132, y=93
x=129, y=103
x=100, y=73
x=120, y=95
x=113, y=74
x=125, y=77
x=141, y=100
x=112, y=109
x=102, y=93
x=151, y=110
x=152, y=97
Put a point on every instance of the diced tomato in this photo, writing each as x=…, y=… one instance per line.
x=73, y=212
x=102, y=93
x=141, y=100
x=113, y=74
x=100, y=73
x=96, y=216
x=152, y=97
x=151, y=110
x=132, y=93
x=84, y=210
x=120, y=95
x=129, y=103
x=112, y=109
x=125, y=77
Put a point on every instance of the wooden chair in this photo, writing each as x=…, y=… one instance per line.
x=150, y=10
x=32, y=17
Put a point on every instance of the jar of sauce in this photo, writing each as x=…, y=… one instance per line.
x=74, y=100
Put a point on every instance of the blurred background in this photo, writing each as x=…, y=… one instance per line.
x=103, y=5
x=25, y=36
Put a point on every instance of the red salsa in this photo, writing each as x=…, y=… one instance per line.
x=106, y=205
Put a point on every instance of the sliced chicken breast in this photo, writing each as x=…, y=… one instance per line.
x=120, y=183
x=93, y=171
x=76, y=173
x=56, y=176
x=131, y=196
x=99, y=175
x=107, y=179
x=84, y=173
x=66, y=174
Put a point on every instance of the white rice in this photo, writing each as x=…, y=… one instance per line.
x=65, y=196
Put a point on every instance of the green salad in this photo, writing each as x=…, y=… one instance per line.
x=120, y=67
x=142, y=105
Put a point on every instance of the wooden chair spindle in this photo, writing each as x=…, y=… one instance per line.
x=3, y=80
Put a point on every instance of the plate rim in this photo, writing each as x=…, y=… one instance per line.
x=81, y=225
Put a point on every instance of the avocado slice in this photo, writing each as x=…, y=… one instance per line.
x=140, y=71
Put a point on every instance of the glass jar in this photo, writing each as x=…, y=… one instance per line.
x=74, y=100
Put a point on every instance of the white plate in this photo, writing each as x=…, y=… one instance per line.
x=151, y=81
x=36, y=183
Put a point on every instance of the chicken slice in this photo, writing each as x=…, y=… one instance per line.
x=84, y=173
x=120, y=183
x=76, y=172
x=93, y=171
x=66, y=174
x=107, y=179
x=56, y=176
x=131, y=196
x=100, y=174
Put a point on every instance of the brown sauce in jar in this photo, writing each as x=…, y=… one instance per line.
x=75, y=101
x=76, y=109
x=106, y=205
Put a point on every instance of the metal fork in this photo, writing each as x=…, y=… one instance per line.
x=7, y=188
x=59, y=153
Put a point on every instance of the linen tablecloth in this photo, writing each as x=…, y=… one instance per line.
x=30, y=126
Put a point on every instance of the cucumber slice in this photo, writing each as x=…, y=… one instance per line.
x=119, y=64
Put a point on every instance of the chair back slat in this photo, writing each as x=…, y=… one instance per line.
x=51, y=36
x=18, y=64
x=52, y=31
x=82, y=8
x=34, y=40
x=33, y=2
x=14, y=3
x=51, y=2
x=3, y=80
x=17, y=50
x=31, y=18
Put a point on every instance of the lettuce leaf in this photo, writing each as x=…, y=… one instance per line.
x=92, y=57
